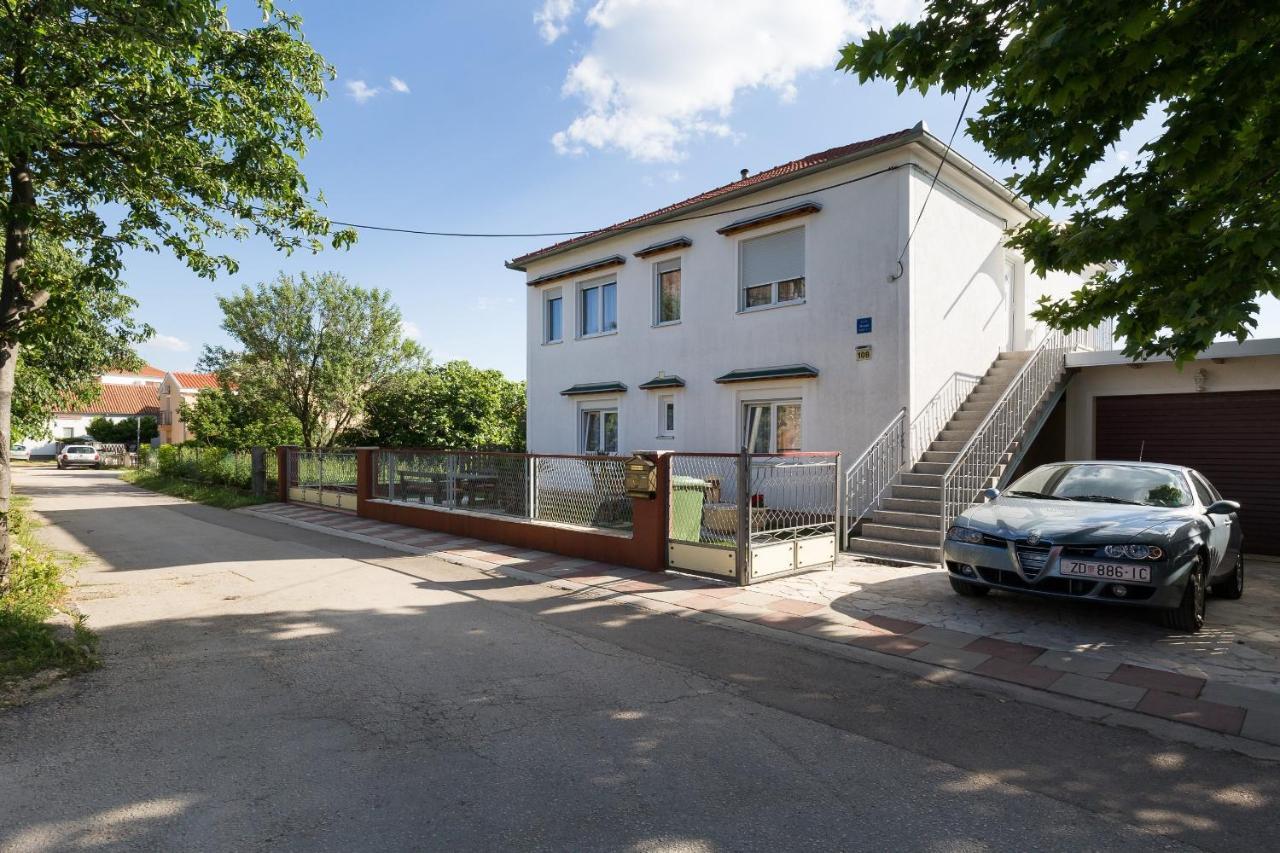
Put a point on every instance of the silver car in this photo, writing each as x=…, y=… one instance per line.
x=1136, y=533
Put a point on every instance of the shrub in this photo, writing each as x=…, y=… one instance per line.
x=169, y=460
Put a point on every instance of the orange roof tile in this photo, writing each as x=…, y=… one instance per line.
x=786, y=169
x=120, y=400
x=196, y=380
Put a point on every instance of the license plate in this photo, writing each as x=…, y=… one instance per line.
x=1105, y=571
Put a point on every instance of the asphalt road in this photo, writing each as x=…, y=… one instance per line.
x=269, y=688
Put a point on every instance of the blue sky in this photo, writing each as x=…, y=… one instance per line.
x=543, y=115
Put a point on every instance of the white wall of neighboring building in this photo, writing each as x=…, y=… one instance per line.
x=1251, y=366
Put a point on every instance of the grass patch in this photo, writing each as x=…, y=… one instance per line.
x=36, y=593
x=210, y=494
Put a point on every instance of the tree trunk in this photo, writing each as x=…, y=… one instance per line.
x=15, y=307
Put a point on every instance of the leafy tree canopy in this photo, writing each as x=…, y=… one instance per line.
x=86, y=331
x=224, y=417
x=128, y=431
x=314, y=346
x=451, y=405
x=1192, y=228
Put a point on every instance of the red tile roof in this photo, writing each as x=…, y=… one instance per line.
x=148, y=370
x=791, y=169
x=196, y=380
x=120, y=400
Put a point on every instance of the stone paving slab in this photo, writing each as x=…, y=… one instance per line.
x=1104, y=665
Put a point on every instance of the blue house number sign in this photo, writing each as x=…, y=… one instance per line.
x=864, y=325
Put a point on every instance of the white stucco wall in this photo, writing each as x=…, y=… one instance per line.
x=1250, y=373
x=946, y=313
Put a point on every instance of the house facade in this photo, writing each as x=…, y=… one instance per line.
x=175, y=389
x=123, y=396
x=773, y=312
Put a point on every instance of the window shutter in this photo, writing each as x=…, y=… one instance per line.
x=776, y=257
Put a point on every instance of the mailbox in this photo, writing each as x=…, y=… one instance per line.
x=641, y=478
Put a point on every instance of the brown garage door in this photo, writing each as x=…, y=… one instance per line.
x=1231, y=438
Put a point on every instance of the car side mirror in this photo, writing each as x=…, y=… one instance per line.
x=991, y=494
x=1222, y=508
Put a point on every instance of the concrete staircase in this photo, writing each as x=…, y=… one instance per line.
x=905, y=528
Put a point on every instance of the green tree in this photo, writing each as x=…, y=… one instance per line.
x=450, y=405
x=125, y=431
x=1192, y=228
x=86, y=330
x=224, y=417
x=153, y=124
x=313, y=346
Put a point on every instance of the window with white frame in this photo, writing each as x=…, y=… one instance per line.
x=667, y=416
x=771, y=426
x=666, y=292
x=553, y=316
x=599, y=431
x=771, y=269
x=598, y=309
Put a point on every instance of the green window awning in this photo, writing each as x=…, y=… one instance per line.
x=662, y=382
x=786, y=371
x=594, y=388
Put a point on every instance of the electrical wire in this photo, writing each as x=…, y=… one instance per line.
x=941, y=163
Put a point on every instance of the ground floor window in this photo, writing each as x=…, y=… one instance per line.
x=600, y=431
x=667, y=416
x=771, y=426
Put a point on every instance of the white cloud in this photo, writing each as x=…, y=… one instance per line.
x=410, y=329
x=361, y=90
x=659, y=73
x=169, y=343
x=488, y=303
x=553, y=18
x=398, y=85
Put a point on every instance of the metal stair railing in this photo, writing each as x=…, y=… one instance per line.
x=974, y=465
x=897, y=448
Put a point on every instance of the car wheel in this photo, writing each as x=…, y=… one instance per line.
x=1189, y=614
x=968, y=590
x=1232, y=586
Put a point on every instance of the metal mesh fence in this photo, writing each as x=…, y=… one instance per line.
x=206, y=465
x=793, y=497
x=581, y=491
x=704, y=499
x=317, y=472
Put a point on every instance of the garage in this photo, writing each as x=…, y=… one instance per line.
x=1233, y=438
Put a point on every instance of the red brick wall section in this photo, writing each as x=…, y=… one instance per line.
x=644, y=549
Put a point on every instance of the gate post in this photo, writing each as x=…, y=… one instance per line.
x=258, y=470
x=364, y=476
x=742, y=561
x=650, y=520
x=284, y=470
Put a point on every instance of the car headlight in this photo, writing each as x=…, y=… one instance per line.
x=965, y=534
x=1135, y=552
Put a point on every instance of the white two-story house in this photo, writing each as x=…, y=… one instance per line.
x=774, y=312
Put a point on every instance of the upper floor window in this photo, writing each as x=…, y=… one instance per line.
x=771, y=426
x=666, y=292
x=598, y=309
x=771, y=269
x=553, y=317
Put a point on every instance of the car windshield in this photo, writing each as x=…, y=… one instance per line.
x=1141, y=485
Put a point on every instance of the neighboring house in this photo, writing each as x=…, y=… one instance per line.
x=773, y=311
x=175, y=389
x=813, y=306
x=124, y=396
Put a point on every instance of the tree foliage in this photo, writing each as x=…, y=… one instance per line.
x=86, y=331
x=152, y=124
x=127, y=431
x=225, y=417
x=451, y=405
x=313, y=346
x=1190, y=230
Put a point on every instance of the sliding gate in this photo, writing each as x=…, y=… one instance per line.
x=748, y=518
x=323, y=477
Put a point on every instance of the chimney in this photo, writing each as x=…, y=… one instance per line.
x=745, y=172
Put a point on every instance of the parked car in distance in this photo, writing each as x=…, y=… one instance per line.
x=79, y=454
x=20, y=453
x=1135, y=533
